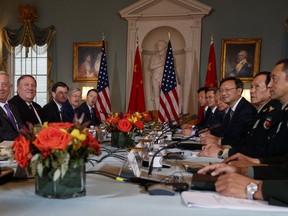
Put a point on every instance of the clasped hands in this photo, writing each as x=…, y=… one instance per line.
x=232, y=180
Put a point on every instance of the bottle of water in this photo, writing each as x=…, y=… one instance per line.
x=93, y=131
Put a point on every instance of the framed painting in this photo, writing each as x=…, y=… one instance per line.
x=86, y=61
x=240, y=58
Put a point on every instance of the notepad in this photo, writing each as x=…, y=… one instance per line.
x=215, y=200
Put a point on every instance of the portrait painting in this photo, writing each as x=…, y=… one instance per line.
x=240, y=58
x=86, y=61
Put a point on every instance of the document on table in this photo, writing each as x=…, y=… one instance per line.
x=215, y=200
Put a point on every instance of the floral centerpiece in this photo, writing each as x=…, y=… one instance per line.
x=125, y=126
x=56, y=153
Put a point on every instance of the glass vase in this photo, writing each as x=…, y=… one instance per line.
x=71, y=185
x=121, y=140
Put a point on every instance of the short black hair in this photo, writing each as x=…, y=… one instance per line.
x=285, y=66
x=59, y=84
x=90, y=90
x=237, y=81
x=267, y=74
x=212, y=89
x=201, y=89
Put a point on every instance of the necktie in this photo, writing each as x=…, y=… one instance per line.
x=91, y=113
x=231, y=114
x=10, y=116
x=35, y=113
x=60, y=113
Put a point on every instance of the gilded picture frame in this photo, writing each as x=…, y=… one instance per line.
x=240, y=58
x=86, y=61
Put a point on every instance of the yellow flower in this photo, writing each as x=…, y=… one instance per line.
x=76, y=134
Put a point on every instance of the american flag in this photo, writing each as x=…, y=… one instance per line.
x=169, y=102
x=103, y=105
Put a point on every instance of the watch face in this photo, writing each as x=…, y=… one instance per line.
x=251, y=189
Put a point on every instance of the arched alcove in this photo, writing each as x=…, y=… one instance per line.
x=150, y=21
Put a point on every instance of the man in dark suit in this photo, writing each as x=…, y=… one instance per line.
x=273, y=185
x=53, y=110
x=257, y=142
x=10, y=121
x=88, y=109
x=29, y=110
x=239, y=118
x=70, y=107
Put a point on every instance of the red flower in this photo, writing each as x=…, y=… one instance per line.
x=21, y=147
x=92, y=143
x=124, y=125
x=139, y=124
x=52, y=138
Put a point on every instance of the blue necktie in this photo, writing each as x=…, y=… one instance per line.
x=10, y=116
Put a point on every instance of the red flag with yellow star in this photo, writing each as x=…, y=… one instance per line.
x=137, y=101
x=211, y=75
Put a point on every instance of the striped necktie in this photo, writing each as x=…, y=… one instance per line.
x=10, y=116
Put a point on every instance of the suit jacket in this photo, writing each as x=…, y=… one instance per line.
x=51, y=112
x=240, y=123
x=68, y=112
x=7, y=130
x=257, y=140
x=275, y=184
x=83, y=108
x=26, y=114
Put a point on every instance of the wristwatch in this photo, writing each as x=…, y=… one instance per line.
x=251, y=190
x=220, y=154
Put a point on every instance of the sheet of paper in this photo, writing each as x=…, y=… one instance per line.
x=133, y=163
x=215, y=200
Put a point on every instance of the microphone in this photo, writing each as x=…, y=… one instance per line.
x=171, y=145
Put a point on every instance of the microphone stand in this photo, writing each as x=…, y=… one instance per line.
x=172, y=145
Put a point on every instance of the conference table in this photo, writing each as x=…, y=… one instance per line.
x=109, y=197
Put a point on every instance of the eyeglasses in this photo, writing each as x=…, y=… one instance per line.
x=226, y=90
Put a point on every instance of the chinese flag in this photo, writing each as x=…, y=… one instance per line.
x=211, y=75
x=137, y=101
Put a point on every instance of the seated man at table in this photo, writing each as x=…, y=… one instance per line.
x=70, y=107
x=266, y=123
x=10, y=121
x=53, y=109
x=251, y=183
x=88, y=109
x=239, y=118
x=29, y=110
x=213, y=117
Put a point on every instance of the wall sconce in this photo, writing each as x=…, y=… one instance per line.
x=246, y=94
x=85, y=89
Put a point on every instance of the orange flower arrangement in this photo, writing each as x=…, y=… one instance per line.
x=133, y=124
x=55, y=146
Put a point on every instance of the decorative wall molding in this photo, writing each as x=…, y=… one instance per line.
x=150, y=21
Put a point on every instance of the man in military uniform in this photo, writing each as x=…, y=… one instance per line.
x=257, y=140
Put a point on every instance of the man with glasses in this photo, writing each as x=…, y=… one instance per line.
x=70, y=107
x=213, y=116
x=239, y=118
x=257, y=139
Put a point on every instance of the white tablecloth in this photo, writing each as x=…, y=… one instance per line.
x=105, y=196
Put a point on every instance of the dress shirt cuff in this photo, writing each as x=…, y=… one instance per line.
x=250, y=172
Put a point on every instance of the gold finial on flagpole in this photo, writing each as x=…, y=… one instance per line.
x=169, y=36
x=103, y=36
x=137, y=40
